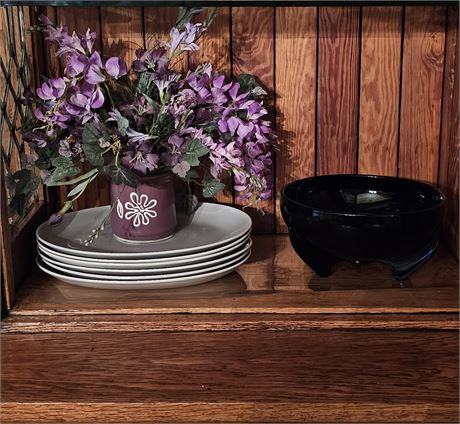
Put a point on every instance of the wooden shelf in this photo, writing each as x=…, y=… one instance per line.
x=273, y=281
x=269, y=343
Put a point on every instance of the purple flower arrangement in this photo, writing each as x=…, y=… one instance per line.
x=146, y=119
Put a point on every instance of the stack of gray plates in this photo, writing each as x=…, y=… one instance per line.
x=208, y=245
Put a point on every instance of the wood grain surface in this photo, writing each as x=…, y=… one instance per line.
x=194, y=373
x=295, y=69
x=379, y=91
x=338, y=81
x=253, y=53
x=123, y=31
x=274, y=280
x=39, y=324
x=448, y=162
x=305, y=412
x=422, y=74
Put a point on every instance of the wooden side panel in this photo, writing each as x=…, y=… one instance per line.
x=448, y=164
x=379, y=91
x=295, y=70
x=422, y=75
x=253, y=53
x=338, y=79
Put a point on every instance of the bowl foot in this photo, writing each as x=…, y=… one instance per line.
x=402, y=270
x=318, y=260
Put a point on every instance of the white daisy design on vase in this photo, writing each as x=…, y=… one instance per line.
x=140, y=209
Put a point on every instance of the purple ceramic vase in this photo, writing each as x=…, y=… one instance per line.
x=146, y=213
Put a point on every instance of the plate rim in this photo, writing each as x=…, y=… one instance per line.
x=145, y=255
x=151, y=282
x=126, y=272
x=149, y=261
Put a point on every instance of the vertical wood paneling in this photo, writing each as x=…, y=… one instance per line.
x=379, y=92
x=338, y=79
x=448, y=164
x=122, y=31
x=295, y=70
x=215, y=44
x=253, y=53
x=421, y=95
x=215, y=49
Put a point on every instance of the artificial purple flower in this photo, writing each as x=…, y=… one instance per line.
x=116, y=67
x=155, y=116
x=185, y=40
x=140, y=159
x=69, y=147
x=76, y=64
x=93, y=70
x=155, y=61
x=84, y=99
x=52, y=89
x=137, y=137
x=54, y=219
x=88, y=39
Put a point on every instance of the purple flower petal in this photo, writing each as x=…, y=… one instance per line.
x=233, y=123
x=115, y=67
x=54, y=219
x=97, y=99
x=94, y=75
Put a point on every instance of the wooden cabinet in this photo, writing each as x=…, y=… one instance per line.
x=352, y=88
x=270, y=343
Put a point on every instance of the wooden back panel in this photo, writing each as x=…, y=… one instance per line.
x=352, y=89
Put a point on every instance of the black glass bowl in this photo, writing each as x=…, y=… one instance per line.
x=363, y=218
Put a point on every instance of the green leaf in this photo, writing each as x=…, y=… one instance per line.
x=212, y=187
x=18, y=203
x=144, y=84
x=91, y=146
x=122, y=175
x=64, y=167
x=93, y=154
x=122, y=122
x=75, y=180
x=192, y=174
x=27, y=186
x=81, y=186
x=195, y=150
x=44, y=159
x=210, y=128
x=23, y=173
x=248, y=83
x=162, y=127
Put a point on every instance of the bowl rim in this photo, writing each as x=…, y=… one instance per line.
x=363, y=176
